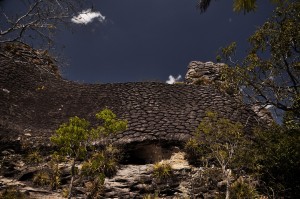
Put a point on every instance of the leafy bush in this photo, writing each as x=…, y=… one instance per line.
x=34, y=157
x=243, y=189
x=41, y=178
x=76, y=137
x=221, y=142
x=280, y=159
x=195, y=152
x=55, y=170
x=12, y=193
x=162, y=170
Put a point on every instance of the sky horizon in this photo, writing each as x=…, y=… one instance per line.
x=138, y=40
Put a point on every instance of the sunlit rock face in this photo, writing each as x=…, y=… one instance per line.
x=203, y=72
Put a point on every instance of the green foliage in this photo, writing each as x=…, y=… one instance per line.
x=42, y=178
x=270, y=73
x=151, y=196
x=34, y=157
x=12, y=193
x=76, y=137
x=221, y=142
x=238, y=5
x=55, y=173
x=243, y=189
x=111, y=125
x=104, y=163
x=279, y=149
x=72, y=137
x=218, y=140
x=162, y=170
x=244, y=5
x=65, y=192
x=196, y=152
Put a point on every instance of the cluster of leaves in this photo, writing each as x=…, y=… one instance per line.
x=238, y=5
x=75, y=139
x=279, y=160
x=270, y=73
x=42, y=178
x=243, y=188
x=221, y=142
x=269, y=155
x=270, y=76
x=101, y=164
x=218, y=141
x=34, y=157
x=12, y=193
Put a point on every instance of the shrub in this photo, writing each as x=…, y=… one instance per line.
x=243, y=189
x=195, y=152
x=162, y=170
x=76, y=137
x=12, y=193
x=55, y=171
x=41, y=178
x=34, y=157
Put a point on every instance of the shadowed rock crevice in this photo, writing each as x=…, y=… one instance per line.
x=149, y=152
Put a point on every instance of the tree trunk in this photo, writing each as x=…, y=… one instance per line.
x=227, y=174
x=72, y=179
x=228, y=179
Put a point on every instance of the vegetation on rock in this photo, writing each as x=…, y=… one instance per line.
x=269, y=77
x=222, y=143
x=75, y=138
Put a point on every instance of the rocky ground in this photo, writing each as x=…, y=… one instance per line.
x=131, y=181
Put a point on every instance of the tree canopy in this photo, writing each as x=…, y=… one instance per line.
x=238, y=5
x=270, y=73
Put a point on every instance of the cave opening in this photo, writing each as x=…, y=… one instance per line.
x=147, y=153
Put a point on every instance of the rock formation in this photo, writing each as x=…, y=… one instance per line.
x=35, y=100
x=203, y=73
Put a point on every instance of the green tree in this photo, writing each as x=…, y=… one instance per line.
x=269, y=76
x=223, y=143
x=270, y=73
x=279, y=159
x=238, y=5
x=75, y=137
x=72, y=139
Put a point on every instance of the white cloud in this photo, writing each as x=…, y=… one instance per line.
x=87, y=16
x=172, y=79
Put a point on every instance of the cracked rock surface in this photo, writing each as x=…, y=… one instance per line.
x=34, y=101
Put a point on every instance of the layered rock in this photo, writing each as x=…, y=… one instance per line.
x=35, y=100
x=203, y=73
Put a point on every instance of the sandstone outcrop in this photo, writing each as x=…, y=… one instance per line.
x=203, y=72
x=35, y=100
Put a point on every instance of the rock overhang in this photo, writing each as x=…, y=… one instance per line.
x=40, y=101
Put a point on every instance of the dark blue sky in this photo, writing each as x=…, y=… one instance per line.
x=143, y=40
